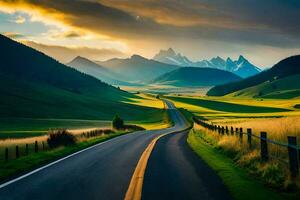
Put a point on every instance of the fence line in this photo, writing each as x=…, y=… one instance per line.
x=293, y=150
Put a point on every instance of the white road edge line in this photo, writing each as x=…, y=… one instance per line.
x=57, y=161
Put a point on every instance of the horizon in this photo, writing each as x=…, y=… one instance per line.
x=199, y=29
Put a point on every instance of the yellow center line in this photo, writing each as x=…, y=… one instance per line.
x=134, y=191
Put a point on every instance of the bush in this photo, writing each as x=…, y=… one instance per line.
x=60, y=138
x=131, y=127
x=117, y=123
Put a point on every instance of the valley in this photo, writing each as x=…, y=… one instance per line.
x=84, y=97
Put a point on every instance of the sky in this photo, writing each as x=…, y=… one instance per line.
x=263, y=31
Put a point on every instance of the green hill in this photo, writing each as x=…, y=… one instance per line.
x=196, y=76
x=284, y=88
x=33, y=85
x=285, y=68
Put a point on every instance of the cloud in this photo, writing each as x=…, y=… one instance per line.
x=146, y=25
x=271, y=22
x=20, y=20
x=13, y=35
x=65, y=54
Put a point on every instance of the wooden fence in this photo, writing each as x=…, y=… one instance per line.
x=293, y=151
x=16, y=151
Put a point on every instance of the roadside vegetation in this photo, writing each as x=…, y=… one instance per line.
x=239, y=183
x=278, y=117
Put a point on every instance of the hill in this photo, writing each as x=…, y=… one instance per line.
x=33, y=85
x=137, y=68
x=89, y=67
x=241, y=67
x=285, y=68
x=195, y=76
x=284, y=88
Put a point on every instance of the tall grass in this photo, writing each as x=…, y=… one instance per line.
x=274, y=172
x=277, y=128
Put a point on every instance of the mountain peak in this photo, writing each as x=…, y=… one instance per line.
x=241, y=58
x=137, y=57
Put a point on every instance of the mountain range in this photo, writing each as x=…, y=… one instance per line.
x=102, y=73
x=241, y=67
x=282, y=80
x=137, y=69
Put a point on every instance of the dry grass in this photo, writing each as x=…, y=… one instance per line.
x=275, y=172
x=277, y=128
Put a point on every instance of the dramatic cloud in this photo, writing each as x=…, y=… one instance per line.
x=147, y=25
x=66, y=54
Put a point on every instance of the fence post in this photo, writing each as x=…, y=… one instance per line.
x=6, y=154
x=36, y=147
x=227, y=131
x=249, y=137
x=231, y=130
x=26, y=149
x=293, y=156
x=223, y=130
x=241, y=135
x=219, y=129
x=17, y=151
x=236, y=131
x=264, y=147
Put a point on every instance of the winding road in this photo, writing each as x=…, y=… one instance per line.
x=104, y=171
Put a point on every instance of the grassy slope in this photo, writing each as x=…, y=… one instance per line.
x=285, y=88
x=36, y=107
x=240, y=185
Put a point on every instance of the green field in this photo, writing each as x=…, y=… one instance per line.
x=233, y=107
x=142, y=110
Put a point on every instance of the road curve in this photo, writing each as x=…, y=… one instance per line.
x=101, y=172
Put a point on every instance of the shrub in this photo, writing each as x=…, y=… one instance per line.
x=117, y=123
x=133, y=127
x=60, y=138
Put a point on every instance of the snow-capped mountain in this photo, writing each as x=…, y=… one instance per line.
x=170, y=57
x=241, y=67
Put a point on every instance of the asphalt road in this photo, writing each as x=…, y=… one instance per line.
x=174, y=172
x=101, y=172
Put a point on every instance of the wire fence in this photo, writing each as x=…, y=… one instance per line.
x=288, y=153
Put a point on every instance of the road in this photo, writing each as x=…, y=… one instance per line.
x=105, y=170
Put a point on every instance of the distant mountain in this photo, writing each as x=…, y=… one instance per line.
x=137, y=68
x=89, y=67
x=195, y=77
x=285, y=68
x=33, y=85
x=170, y=57
x=241, y=67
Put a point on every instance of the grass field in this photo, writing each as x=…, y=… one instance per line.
x=231, y=107
x=148, y=112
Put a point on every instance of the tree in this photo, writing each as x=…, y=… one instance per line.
x=117, y=122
